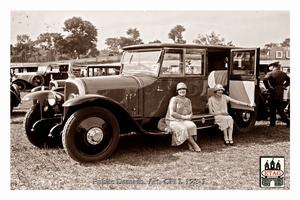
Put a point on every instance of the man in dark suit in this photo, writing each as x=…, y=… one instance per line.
x=276, y=81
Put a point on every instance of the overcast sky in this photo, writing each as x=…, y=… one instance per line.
x=244, y=28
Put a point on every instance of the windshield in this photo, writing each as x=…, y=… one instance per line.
x=42, y=69
x=141, y=62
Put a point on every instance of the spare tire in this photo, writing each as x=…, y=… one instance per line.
x=37, y=80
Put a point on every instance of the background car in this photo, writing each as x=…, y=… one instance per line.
x=41, y=77
x=15, y=98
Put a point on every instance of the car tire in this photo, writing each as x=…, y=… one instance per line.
x=90, y=134
x=37, y=80
x=21, y=85
x=244, y=121
x=39, y=137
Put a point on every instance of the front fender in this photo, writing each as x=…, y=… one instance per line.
x=39, y=88
x=126, y=121
x=38, y=95
x=87, y=99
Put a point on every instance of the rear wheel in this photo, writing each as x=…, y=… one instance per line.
x=37, y=80
x=91, y=134
x=244, y=121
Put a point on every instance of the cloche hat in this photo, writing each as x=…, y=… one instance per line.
x=218, y=87
x=181, y=85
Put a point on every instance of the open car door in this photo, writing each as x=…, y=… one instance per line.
x=243, y=86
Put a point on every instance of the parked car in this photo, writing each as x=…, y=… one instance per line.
x=15, y=98
x=89, y=70
x=94, y=111
x=40, y=93
x=19, y=69
x=42, y=76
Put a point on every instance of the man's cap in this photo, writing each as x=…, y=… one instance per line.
x=275, y=64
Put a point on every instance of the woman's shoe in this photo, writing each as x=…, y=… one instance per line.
x=231, y=142
x=197, y=148
x=226, y=142
x=191, y=147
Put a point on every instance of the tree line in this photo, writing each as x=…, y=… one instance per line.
x=81, y=42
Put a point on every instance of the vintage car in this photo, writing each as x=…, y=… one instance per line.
x=42, y=76
x=19, y=69
x=89, y=70
x=94, y=111
x=15, y=98
x=83, y=70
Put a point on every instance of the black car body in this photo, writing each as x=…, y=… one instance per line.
x=42, y=76
x=94, y=111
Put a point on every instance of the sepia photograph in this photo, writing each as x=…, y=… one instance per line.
x=184, y=99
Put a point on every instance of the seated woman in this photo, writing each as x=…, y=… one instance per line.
x=217, y=106
x=178, y=119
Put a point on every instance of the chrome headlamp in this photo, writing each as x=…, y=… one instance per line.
x=53, y=98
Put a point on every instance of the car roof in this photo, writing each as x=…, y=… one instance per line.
x=23, y=66
x=172, y=45
x=98, y=65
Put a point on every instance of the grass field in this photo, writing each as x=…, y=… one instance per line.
x=143, y=162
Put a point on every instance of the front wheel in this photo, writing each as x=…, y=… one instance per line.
x=244, y=121
x=91, y=134
x=21, y=85
x=39, y=135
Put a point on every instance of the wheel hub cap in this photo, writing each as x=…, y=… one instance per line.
x=246, y=116
x=95, y=136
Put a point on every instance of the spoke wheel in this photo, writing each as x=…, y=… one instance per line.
x=21, y=85
x=91, y=134
x=244, y=121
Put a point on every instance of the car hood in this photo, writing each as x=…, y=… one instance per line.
x=24, y=76
x=99, y=85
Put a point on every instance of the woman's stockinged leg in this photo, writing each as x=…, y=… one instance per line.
x=230, y=133
x=225, y=132
x=194, y=144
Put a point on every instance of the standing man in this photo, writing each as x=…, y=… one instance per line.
x=276, y=81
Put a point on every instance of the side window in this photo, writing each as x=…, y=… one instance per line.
x=64, y=68
x=194, y=62
x=243, y=63
x=172, y=62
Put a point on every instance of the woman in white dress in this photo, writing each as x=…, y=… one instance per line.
x=178, y=119
x=217, y=105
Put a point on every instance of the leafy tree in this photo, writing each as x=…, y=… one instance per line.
x=286, y=43
x=113, y=45
x=212, y=39
x=134, y=38
x=82, y=36
x=50, y=42
x=116, y=44
x=176, y=34
x=267, y=48
x=94, y=52
x=23, y=50
x=155, y=41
